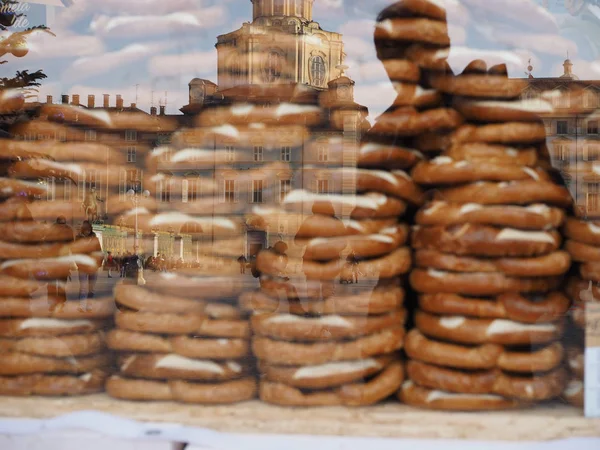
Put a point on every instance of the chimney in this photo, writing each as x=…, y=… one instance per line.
x=106, y=99
x=91, y=101
x=119, y=102
x=153, y=111
x=49, y=99
x=133, y=105
x=76, y=99
x=65, y=99
x=162, y=110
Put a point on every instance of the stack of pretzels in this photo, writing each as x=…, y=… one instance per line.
x=50, y=344
x=583, y=243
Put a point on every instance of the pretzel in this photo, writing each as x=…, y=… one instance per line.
x=269, y=136
x=524, y=110
x=402, y=70
x=297, y=289
x=174, y=366
x=482, y=357
x=10, y=187
x=421, y=8
x=483, y=331
x=361, y=246
x=43, y=168
x=514, y=192
x=121, y=120
x=11, y=100
x=425, y=56
x=583, y=231
x=15, y=363
x=379, y=156
x=140, y=299
x=494, y=154
x=373, y=205
x=573, y=393
x=17, y=287
x=51, y=268
x=61, y=151
x=393, y=264
x=503, y=133
x=244, y=113
x=54, y=385
x=445, y=170
x=413, y=30
x=477, y=85
x=173, y=324
x=97, y=308
x=34, y=232
x=326, y=375
x=532, y=217
x=407, y=121
x=182, y=223
x=409, y=94
x=414, y=395
x=377, y=301
x=18, y=209
x=538, y=387
x=482, y=240
x=555, y=263
x=396, y=183
x=433, y=143
x=190, y=347
x=199, y=288
x=182, y=391
x=511, y=306
x=581, y=252
x=40, y=327
x=360, y=394
x=57, y=347
x=12, y=250
x=307, y=354
x=202, y=158
x=207, y=185
x=290, y=327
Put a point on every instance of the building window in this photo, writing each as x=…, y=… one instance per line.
x=561, y=99
x=50, y=188
x=164, y=190
x=184, y=191
x=286, y=153
x=230, y=153
x=590, y=152
x=273, y=67
x=229, y=191
x=258, y=153
x=92, y=179
x=285, y=186
x=323, y=154
x=560, y=152
x=593, y=192
x=257, y=191
x=131, y=154
x=278, y=7
x=193, y=189
x=590, y=100
x=323, y=186
x=90, y=135
x=131, y=135
x=318, y=70
x=166, y=155
x=562, y=127
x=67, y=190
x=62, y=136
x=592, y=127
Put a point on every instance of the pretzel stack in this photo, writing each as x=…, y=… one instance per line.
x=49, y=344
x=488, y=257
x=329, y=315
x=583, y=244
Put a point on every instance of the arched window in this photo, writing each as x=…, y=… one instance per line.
x=272, y=69
x=278, y=7
x=318, y=70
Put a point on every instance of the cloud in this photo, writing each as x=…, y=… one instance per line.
x=177, y=22
x=377, y=96
x=65, y=45
x=173, y=65
x=86, y=67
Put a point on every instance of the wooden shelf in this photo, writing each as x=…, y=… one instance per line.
x=390, y=420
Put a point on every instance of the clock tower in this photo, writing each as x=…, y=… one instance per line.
x=282, y=44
